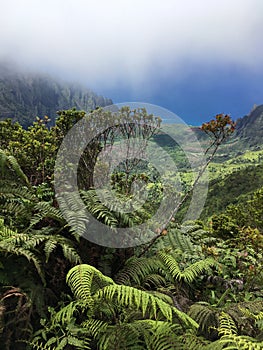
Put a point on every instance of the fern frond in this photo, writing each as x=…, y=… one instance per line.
x=257, y=316
x=76, y=218
x=6, y=246
x=123, y=335
x=193, y=342
x=9, y=188
x=234, y=342
x=137, y=270
x=49, y=247
x=191, y=272
x=65, y=315
x=154, y=280
x=46, y=210
x=250, y=309
x=40, y=346
x=70, y=253
x=9, y=162
x=229, y=340
x=83, y=278
x=178, y=240
x=16, y=201
x=206, y=317
x=95, y=327
x=227, y=325
x=98, y=209
x=161, y=336
x=130, y=297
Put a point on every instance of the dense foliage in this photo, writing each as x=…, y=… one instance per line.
x=195, y=286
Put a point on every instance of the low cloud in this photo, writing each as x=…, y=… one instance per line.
x=104, y=42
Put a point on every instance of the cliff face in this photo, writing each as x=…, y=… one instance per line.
x=249, y=129
x=25, y=96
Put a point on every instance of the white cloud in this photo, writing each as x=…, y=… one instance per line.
x=101, y=42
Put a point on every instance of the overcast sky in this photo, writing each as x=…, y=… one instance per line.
x=194, y=57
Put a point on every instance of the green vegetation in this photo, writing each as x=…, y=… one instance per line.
x=196, y=285
x=25, y=96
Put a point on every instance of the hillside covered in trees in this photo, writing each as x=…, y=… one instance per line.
x=191, y=285
x=23, y=96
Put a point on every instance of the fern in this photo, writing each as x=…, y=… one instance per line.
x=235, y=342
x=26, y=244
x=95, y=327
x=258, y=316
x=190, y=273
x=206, y=317
x=75, y=217
x=83, y=279
x=193, y=342
x=127, y=296
x=122, y=336
x=245, y=315
x=231, y=340
x=110, y=215
x=9, y=164
x=227, y=325
x=139, y=270
x=66, y=314
x=117, y=314
x=178, y=240
x=161, y=335
x=15, y=244
x=45, y=209
x=40, y=346
x=16, y=202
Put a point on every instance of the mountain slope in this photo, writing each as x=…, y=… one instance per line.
x=24, y=96
x=249, y=129
x=233, y=188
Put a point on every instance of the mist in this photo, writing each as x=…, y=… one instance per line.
x=134, y=45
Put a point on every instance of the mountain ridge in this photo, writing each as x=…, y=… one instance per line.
x=23, y=96
x=250, y=127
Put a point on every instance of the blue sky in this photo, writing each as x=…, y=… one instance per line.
x=196, y=58
x=204, y=93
